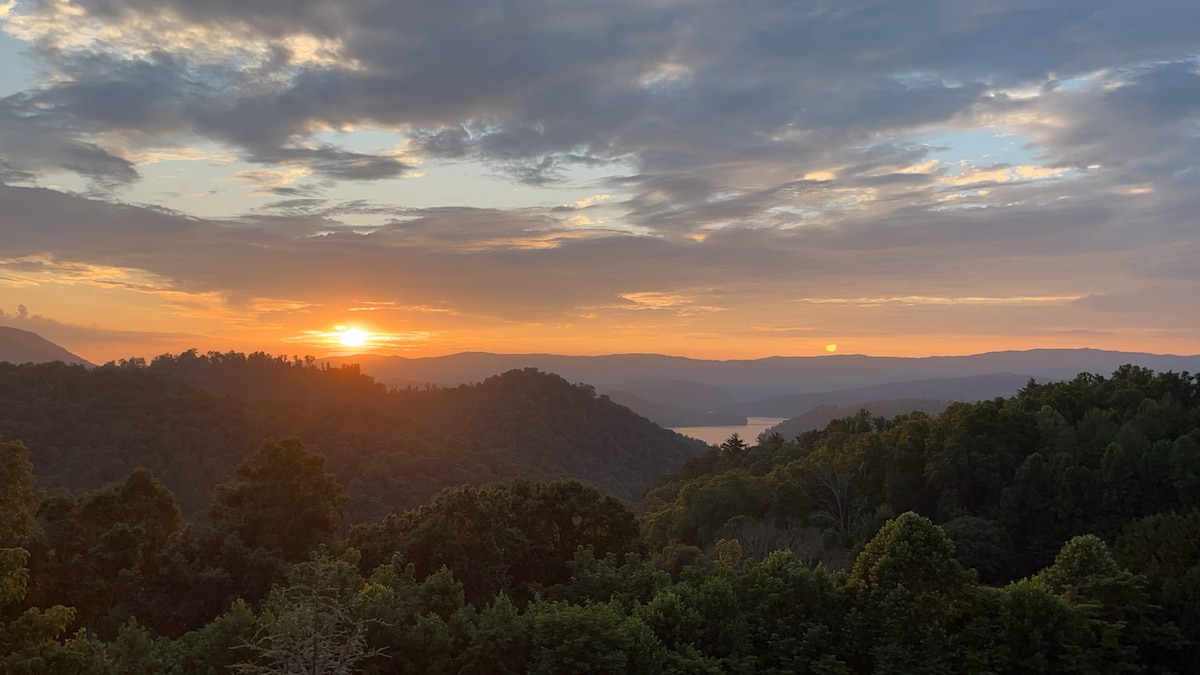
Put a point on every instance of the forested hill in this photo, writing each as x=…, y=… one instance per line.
x=556, y=428
x=1083, y=494
x=1010, y=480
x=818, y=417
x=88, y=427
x=191, y=418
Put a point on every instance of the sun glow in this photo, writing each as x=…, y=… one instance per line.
x=353, y=337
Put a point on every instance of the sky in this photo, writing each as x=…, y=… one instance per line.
x=701, y=178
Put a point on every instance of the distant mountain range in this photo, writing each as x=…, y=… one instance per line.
x=819, y=416
x=694, y=395
x=776, y=386
x=672, y=414
x=970, y=388
x=675, y=391
x=21, y=346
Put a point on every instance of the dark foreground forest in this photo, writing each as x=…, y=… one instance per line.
x=1056, y=531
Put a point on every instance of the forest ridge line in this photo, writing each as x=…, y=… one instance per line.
x=749, y=379
x=745, y=380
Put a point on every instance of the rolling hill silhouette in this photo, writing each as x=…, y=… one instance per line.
x=22, y=346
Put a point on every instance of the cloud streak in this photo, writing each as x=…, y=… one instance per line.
x=755, y=158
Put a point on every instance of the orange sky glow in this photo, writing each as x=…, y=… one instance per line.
x=148, y=331
x=725, y=181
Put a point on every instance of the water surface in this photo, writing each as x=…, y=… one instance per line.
x=717, y=435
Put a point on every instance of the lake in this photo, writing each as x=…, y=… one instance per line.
x=717, y=435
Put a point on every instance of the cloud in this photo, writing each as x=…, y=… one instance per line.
x=34, y=142
x=537, y=86
x=743, y=156
x=534, y=88
x=530, y=263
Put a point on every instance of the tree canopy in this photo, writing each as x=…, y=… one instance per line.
x=1052, y=532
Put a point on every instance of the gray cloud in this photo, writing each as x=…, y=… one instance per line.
x=485, y=260
x=534, y=85
x=1163, y=94
x=11, y=174
x=757, y=148
x=33, y=142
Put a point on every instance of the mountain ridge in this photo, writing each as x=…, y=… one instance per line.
x=190, y=419
x=19, y=346
x=671, y=415
x=969, y=388
x=750, y=380
x=818, y=417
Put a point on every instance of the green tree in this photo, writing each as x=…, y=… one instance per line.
x=217, y=646
x=628, y=581
x=912, y=553
x=1037, y=632
x=500, y=641
x=595, y=638
x=421, y=625
x=18, y=495
x=101, y=547
x=734, y=445
x=29, y=641
x=556, y=518
x=1113, y=600
x=312, y=626
x=517, y=537
x=1166, y=549
x=905, y=453
x=982, y=545
x=911, y=593
x=132, y=650
x=199, y=574
x=282, y=500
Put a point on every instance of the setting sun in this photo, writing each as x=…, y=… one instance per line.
x=354, y=337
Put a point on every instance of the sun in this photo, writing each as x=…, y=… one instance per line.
x=831, y=348
x=353, y=337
